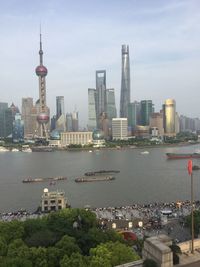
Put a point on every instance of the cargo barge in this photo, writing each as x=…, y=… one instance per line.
x=94, y=179
x=103, y=172
x=182, y=155
x=46, y=179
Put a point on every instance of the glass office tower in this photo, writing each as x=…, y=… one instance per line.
x=125, y=82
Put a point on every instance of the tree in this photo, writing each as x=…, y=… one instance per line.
x=116, y=252
x=67, y=245
x=42, y=238
x=18, y=249
x=3, y=247
x=38, y=257
x=11, y=230
x=196, y=222
x=53, y=257
x=75, y=260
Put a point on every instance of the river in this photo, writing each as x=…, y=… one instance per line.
x=142, y=178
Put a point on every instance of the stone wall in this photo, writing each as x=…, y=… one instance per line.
x=132, y=264
x=157, y=248
x=187, y=245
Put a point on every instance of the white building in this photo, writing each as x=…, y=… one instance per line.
x=75, y=138
x=119, y=128
x=52, y=201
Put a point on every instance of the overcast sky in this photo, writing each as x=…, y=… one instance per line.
x=82, y=36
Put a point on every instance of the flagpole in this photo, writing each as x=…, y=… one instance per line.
x=192, y=212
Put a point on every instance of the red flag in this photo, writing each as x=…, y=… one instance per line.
x=190, y=167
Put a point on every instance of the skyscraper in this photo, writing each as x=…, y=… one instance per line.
x=92, y=118
x=146, y=111
x=75, y=126
x=100, y=92
x=169, y=117
x=60, y=114
x=27, y=108
x=110, y=104
x=60, y=108
x=43, y=116
x=3, y=108
x=133, y=114
x=125, y=82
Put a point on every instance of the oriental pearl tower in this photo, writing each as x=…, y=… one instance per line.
x=43, y=116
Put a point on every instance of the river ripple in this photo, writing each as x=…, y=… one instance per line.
x=142, y=178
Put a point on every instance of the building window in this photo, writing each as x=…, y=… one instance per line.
x=46, y=202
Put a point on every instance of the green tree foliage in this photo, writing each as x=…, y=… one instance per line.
x=3, y=247
x=70, y=237
x=33, y=226
x=18, y=249
x=15, y=262
x=75, y=260
x=42, y=238
x=11, y=230
x=53, y=257
x=196, y=222
x=116, y=252
x=38, y=257
x=67, y=245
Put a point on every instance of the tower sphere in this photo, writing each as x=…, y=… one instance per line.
x=41, y=71
x=43, y=118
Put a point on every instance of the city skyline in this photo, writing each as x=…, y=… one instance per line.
x=163, y=43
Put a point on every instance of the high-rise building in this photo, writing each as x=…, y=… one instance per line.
x=125, y=82
x=18, y=129
x=156, y=121
x=146, y=111
x=6, y=121
x=92, y=118
x=75, y=126
x=3, y=108
x=133, y=114
x=27, y=116
x=169, y=117
x=60, y=106
x=100, y=92
x=43, y=116
x=119, y=128
x=69, y=122
x=60, y=114
x=110, y=103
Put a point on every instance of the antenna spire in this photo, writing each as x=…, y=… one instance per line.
x=41, y=51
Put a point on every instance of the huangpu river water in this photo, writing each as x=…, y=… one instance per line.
x=142, y=178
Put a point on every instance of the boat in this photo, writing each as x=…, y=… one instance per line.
x=26, y=148
x=182, y=155
x=46, y=179
x=3, y=149
x=195, y=168
x=103, y=172
x=144, y=152
x=94, y=179
x=15, y=150
x=42, y=149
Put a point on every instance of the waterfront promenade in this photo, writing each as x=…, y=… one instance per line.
x=153, y=217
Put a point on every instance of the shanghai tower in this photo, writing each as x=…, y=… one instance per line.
x=125, y=83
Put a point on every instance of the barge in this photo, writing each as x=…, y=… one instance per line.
x=182, y=155
x=46, y=179
x=103, y=172
x=94, y=179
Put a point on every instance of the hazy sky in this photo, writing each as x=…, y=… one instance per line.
x=80, y=37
